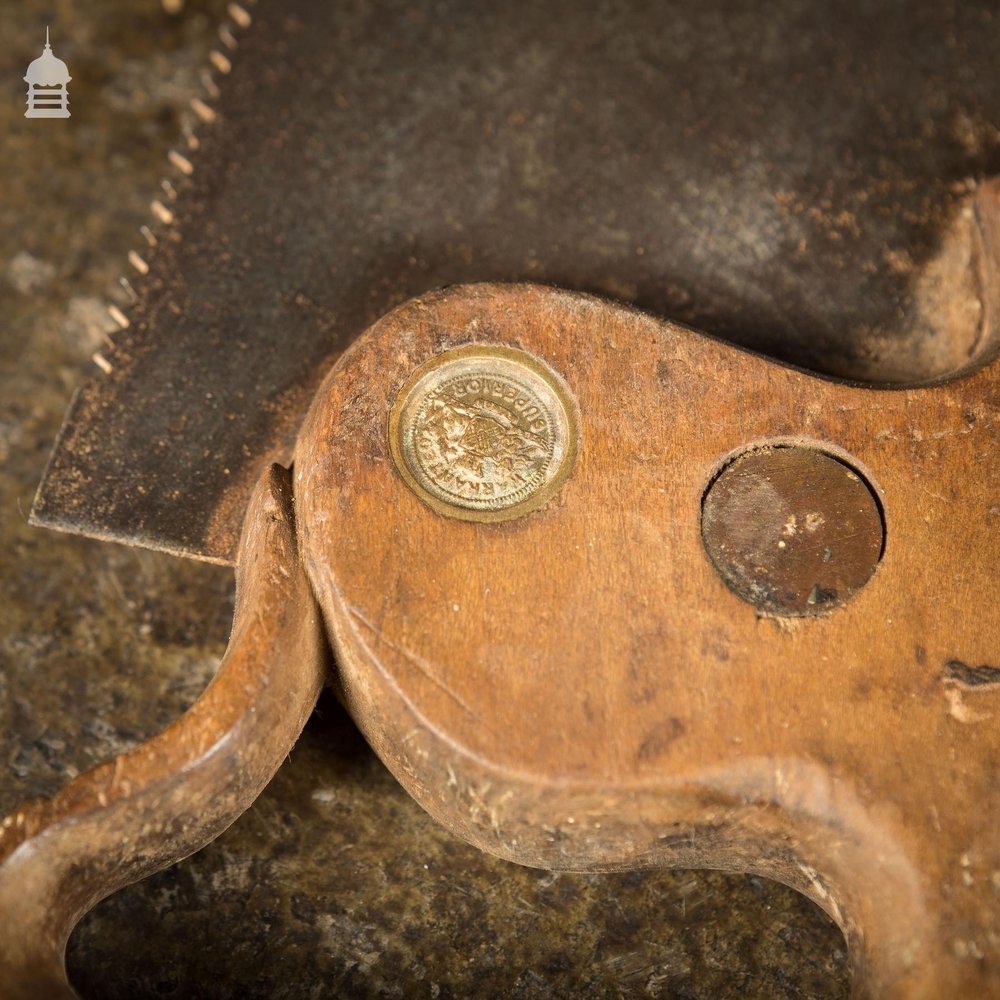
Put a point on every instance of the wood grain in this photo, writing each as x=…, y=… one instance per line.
x=173, y=794
x=578, y=689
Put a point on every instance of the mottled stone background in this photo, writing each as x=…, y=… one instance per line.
x=335, y=883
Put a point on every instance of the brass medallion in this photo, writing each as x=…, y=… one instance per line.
x=483, y=433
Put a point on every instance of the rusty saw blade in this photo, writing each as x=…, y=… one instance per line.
x=794, y=178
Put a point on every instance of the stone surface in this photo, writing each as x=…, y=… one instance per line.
x=335, y=882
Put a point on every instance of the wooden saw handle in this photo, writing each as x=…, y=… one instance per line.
x=173, y=794
x=538, y=639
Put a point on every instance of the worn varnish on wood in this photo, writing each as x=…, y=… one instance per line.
x=578, y=688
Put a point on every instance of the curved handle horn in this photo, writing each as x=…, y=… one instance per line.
x=175, y=793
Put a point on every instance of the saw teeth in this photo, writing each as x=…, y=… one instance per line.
x=203, y=111
x=161, y=212
x=119, y=317
x=137, y=262
x=220, y=62
x=208, y=82
x=239, y=15
x=181, y=162
x=102, y=362
x=239, y=19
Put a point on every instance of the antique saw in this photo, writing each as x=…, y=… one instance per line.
x=602, y=590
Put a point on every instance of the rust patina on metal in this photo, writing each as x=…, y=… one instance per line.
x=795, y=531
x=797, y=182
